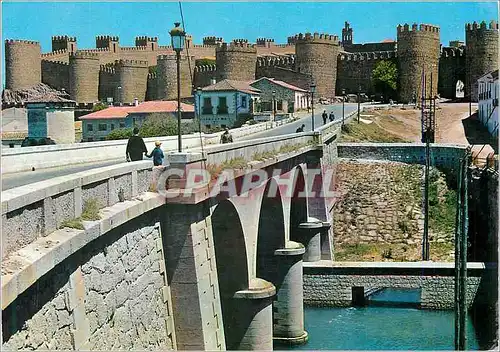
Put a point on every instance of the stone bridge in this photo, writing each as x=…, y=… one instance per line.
x=205, y=253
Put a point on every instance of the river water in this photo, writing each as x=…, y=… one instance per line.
x=381, y=328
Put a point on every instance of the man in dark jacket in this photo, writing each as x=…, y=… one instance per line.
x=300, y=129
x=136, y=147
x=226, y=137
x=324, y=116
x=331, y=116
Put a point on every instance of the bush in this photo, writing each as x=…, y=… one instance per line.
x=121, y=133
x=99, y=106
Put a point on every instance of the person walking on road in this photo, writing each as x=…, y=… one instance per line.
x=136, y=147
x=332, y=116
x=300, y=129
x=157, y=154
x=226, y=137
x=325, y=117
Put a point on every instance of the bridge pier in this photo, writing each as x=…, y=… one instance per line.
x=252, y=318
x=288, y=306
x=310, y=236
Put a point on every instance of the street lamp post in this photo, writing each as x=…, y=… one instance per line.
x=313, y=88
x=198, y=110
x=359, y=91
x=274, y=105
x=178, y=36
x=343, y=104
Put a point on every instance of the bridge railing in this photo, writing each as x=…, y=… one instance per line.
x=36, y=210
x=40, y=157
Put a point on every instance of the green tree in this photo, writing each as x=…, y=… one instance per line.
x=205, y=61
x=99, y=106
x=385, y=77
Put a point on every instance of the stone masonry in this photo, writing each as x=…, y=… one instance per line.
x=108, y=296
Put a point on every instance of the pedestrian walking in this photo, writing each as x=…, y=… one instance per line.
x=226, y=137
x=136, y=147
x=332, y=116
x=157, y=154
x=325, y=117
x=300, y=129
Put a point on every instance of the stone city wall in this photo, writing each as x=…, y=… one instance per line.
x=451, y=69
x=331, y=284
x=55, y=74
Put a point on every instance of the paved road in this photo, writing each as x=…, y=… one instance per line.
x=305, y=118
x=27, y=177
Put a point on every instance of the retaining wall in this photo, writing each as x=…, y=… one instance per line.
x=330, y=284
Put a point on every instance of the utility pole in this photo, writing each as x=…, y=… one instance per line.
x=343, y=103
x=428, y=129
x=359, y=91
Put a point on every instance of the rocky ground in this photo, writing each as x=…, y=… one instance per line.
x=379, y=213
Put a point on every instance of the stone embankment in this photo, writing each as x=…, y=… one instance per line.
x=380, y=204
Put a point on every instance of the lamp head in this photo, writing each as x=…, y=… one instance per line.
x=178, y=37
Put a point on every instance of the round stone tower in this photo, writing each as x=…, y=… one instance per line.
x=23, y=67
x=481, y=52
x=316, y=55
x=418, y=50
x=132, y=76
x=166, y=76
x=236, y=61
x=84, y=77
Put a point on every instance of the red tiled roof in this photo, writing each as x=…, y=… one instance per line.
x=388, y=41
x=282, y=84
x=160, y=106
x=120, y=112
x=113, y=112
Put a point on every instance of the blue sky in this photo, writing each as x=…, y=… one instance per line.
x=372, y=21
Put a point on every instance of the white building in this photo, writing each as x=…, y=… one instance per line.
x=488, y=91
x=223, y=102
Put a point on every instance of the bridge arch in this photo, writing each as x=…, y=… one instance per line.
x=298, y=203
x=232, y=268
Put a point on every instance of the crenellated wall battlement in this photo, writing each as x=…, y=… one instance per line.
x=316, y=38
x=55, y=53
x=276, y=61
x=108, y=68
x=240, y=45
x=64, y=38
x=474, y=26
x=96, y=51
x=426, y=28
x=84, y=55
x=146, y=38
x=134, y=48
x=212, y=40
x=131, y=63
x=376, y=55
x=110, y=38
x=451, y=52
x=49, y=62
x=205, y=68
x=21, y=42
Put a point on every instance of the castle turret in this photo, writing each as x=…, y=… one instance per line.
x=265, y=42
x=236, y=61
x=481, y=57
x=346, y=34
x=151, y=43
x=166, y=75
x=316, y=55
x=84, y=77
x=23, y=68
x=63, y=42
x=112, y=43
x=418, y=51
x=132, y=76
x=212, y=41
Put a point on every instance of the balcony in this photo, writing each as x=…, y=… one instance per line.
x=206, y=110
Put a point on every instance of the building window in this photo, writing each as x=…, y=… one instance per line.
x=243, y=102
x=122, y=124
x=103, y=127
x=207, y=106
x=90, y=127
x=112, y=127
x=222, y=107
